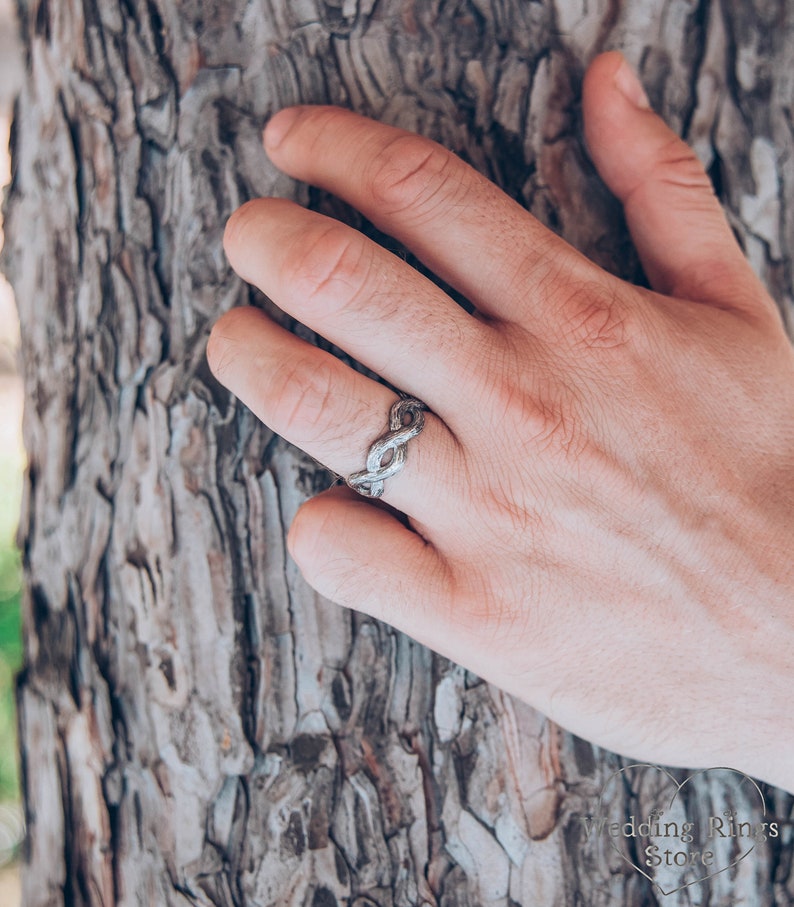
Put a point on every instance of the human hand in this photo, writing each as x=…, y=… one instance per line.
x=601, y=504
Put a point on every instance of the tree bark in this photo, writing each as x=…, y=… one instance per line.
x=198, y=727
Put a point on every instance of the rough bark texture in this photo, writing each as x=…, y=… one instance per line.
x=198, y=726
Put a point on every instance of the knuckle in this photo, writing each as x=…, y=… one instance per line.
x=412, y=173
x=305, y=388
x=331, y=263
x=550, y=426
x=596, y=318
x=677, y=165
x=539, y=419
x=525, y=404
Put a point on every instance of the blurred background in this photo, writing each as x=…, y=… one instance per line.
x=12, y=461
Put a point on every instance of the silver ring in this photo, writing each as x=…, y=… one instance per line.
x=369, y=482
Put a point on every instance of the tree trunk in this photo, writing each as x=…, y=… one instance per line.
x=198, y=727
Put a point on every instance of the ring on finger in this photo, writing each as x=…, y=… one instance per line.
x=387, y=454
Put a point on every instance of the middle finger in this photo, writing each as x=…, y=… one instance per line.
x=444, y=211
x=361, y=298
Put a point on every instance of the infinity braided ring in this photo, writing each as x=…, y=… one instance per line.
x=369, y=482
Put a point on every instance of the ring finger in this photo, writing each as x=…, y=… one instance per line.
x=325, y=407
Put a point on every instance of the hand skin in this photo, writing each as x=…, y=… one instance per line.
x=601, y=505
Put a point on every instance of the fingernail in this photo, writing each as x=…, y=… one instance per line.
x=629, y=86
x=279, y=126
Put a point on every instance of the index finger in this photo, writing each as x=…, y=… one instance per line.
x=459, y=223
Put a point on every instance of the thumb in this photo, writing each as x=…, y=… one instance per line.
x=683, y=239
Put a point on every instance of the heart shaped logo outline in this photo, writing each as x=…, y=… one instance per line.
x=678, y=787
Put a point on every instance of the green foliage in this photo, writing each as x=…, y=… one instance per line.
x=10, y=660
x=10, y=634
